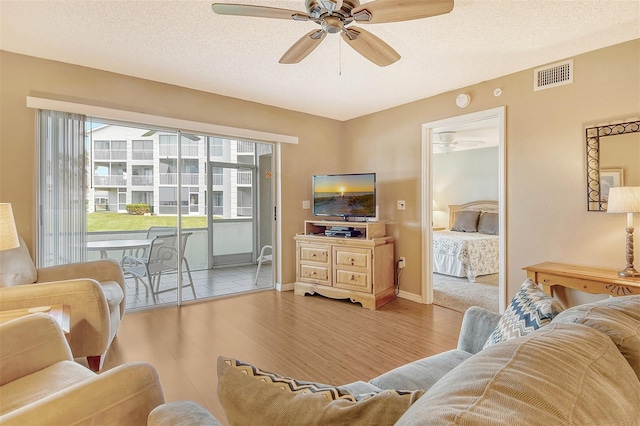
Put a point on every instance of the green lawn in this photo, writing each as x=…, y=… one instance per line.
x=108, y=221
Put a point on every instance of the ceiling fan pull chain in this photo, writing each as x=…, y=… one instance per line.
x=340, y=56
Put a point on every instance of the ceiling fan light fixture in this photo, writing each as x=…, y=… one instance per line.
x=447, y=136
x=332, y=25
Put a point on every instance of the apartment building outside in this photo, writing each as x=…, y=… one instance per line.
x=135, y=166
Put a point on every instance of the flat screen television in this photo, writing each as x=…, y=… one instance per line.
x=345, y=195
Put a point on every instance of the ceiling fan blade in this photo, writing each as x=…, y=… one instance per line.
x=303, y=47
x=258, y=11
x=380, y=11
x=370, y=46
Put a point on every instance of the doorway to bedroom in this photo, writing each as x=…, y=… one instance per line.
x=464, y=189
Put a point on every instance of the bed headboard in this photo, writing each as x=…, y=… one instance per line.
x=484, y=206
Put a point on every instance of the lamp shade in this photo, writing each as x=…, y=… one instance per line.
x=624, y=199
x=8, y=232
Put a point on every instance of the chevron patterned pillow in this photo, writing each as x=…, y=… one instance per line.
x=529, y=310
x=251, y=396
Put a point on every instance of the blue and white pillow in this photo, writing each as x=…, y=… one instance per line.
x=529, y=310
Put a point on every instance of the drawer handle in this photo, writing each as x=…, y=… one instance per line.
x=313, y=273
x=313, y=255
x=353, y=278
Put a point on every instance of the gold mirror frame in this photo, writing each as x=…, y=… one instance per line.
x=595, y=203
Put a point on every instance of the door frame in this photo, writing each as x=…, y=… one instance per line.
x=427, y=196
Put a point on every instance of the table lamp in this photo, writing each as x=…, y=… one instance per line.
x=626, y=199
x=8, y=233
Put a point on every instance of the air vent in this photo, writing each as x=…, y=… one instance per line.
x=553, y=75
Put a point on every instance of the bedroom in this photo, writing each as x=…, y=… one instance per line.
x=465, y=170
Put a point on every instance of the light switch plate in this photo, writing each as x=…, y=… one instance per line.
x=306, y=205
x=401, y=204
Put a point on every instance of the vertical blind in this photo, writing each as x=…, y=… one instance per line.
x=61, y=188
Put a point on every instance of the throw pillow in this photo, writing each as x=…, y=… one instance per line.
x=252, y=396
x=17, y=266
x=488, y=223
x=529, y=310
x=466, y=221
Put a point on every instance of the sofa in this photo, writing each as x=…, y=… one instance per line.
x=94, y=291
x=579, y=366
x=40, y=384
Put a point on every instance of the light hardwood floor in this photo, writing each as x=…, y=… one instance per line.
x=307, y=338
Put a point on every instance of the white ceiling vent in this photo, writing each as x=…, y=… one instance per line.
x=553, y=75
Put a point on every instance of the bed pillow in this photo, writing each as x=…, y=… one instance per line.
x=488, y=223
x=530, y=309
x=466, y=221
x=252, y=396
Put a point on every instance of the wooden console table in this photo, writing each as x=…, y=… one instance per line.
x=590, y=280
x=359, y=268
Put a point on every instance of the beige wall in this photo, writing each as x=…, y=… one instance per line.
x=22, y=76
x=547, y=216
x=463, y=176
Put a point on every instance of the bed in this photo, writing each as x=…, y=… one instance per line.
x=470, y=245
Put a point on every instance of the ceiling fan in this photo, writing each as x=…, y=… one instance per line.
x=448, y=143
x=335, y=16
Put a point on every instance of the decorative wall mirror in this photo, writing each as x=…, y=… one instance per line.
x=611, y=161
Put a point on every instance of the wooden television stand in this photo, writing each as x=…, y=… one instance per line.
x=358, y=268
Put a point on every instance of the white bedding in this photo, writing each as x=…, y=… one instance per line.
x=465, y=254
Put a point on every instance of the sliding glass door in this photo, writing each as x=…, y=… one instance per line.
x=176, y=210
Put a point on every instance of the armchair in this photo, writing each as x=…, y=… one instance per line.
x=93, y=290
x=41, y=384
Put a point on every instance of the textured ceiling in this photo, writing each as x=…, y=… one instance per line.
x=186, y=44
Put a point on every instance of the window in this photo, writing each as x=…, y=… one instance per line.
x=217, y=149
x=142, y=150
x=216, y=174
x=217, y=200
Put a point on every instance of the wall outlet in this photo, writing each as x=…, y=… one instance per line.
x=306, y=205
x=401, y=204
x=401, y=263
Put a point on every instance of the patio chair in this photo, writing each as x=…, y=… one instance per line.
x=263, y=258
x=153, y=232
x=161, y=258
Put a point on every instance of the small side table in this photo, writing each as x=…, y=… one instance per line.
x=60, y=314
x=589, y=280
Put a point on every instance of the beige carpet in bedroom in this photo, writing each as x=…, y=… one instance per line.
x=459, y=294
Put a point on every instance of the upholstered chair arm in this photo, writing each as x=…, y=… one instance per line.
x=99, y=270
x=478, y=323
x=179, y=413
x=124, y=395
x=29, y=344
x=89, y=326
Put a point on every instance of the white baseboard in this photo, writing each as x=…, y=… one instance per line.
x=410, y=296
x=284, y=287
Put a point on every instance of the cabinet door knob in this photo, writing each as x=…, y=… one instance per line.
x=352, y=278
